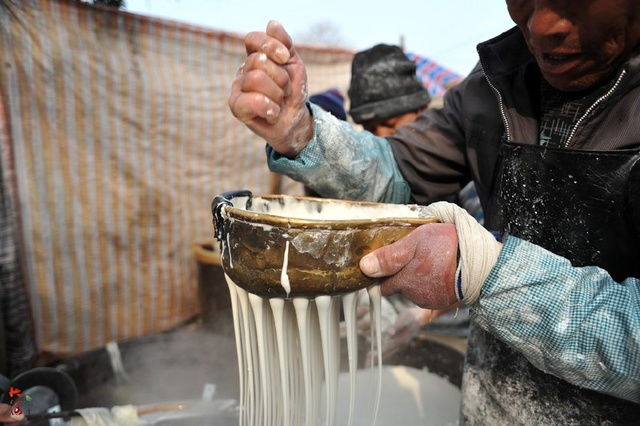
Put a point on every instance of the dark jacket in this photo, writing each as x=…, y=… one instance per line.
x=493, y=114
x=435, y=152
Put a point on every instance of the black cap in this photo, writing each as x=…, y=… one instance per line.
x=384, y=84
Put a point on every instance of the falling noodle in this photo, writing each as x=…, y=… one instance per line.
x=289, y=350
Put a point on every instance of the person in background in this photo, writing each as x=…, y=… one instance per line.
x=385, y=93
x=547, y=126
x=332, y=101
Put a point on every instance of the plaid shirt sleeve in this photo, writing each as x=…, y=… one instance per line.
x=576, y=323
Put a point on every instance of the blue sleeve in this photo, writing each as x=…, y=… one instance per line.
x=340, y=162
x=576, y=323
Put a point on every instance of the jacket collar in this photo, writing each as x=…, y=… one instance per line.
x=504, y=54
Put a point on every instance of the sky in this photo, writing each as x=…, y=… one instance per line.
x=445, y=31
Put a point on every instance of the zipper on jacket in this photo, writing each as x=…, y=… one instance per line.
x=503, y=114
x=594, y=105
x=580, y=120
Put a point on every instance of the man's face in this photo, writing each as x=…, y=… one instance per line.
x=578, y=43
x=389, y=126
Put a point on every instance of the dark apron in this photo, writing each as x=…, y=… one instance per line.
x=582, y=205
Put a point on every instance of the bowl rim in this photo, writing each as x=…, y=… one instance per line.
x=292, y=222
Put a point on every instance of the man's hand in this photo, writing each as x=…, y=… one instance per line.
x=423, y=265
x=420, y=266
x=269, y=92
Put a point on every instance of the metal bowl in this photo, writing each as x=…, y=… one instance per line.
x=284, y=246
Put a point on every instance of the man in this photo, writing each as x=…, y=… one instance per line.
x=384, y=91
x=547, y=128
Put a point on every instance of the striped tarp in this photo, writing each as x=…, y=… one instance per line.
x=117, y=136
x=435, y=77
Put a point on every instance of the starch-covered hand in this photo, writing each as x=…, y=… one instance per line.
x=423, y=266
x=420, y=266
x=269, y=92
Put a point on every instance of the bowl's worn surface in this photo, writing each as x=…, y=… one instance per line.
x=319, y=256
